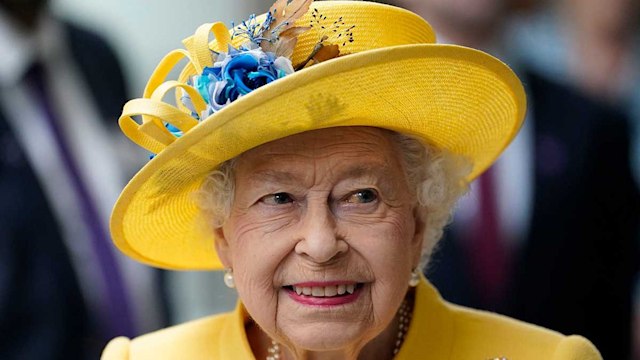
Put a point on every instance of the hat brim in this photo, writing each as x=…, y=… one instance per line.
x=452, y=97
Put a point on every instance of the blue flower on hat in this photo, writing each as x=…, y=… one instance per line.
x=235, y=74
x=243, y=75
x=262, y=59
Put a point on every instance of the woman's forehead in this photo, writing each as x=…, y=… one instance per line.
x=311, y=142
x=346, y=151
x=362, y=148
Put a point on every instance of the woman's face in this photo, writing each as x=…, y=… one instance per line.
x=322, y=236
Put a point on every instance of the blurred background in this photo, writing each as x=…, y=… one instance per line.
x=142, y=32
x=560, y=250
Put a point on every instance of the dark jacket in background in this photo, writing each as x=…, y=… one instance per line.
x=42, y=311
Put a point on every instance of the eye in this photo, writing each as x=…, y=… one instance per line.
x=362, y=196
x=277, y=199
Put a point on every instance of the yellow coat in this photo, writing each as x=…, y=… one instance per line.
x=438, y=331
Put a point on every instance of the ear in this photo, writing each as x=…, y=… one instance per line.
x=417, y=243
x=222, y=247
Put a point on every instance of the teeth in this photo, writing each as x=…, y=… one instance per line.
x=325, y=291
x=330, y=290
x=306, y=290
x=317, y=291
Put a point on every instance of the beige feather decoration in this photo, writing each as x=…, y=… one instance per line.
x=285, y=13
x=287, y=40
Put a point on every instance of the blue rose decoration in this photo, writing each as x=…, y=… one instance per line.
x=243, y=75
x=234, y=74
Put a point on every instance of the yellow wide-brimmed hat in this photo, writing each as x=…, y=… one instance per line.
x=346, y=63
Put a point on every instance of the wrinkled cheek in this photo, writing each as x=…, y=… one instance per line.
x=260, y=299
x=390, y=253
x=257, y=264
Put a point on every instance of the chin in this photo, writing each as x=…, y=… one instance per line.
x=327, y=337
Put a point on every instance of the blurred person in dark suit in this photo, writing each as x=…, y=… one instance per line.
x=593, y=45
x=61, y=88
x=559, y=211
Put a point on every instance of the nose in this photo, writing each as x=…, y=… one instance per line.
x=318, y=238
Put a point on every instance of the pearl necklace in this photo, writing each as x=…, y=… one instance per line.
x=403, y=324
x=404, y=319
x=273, y=353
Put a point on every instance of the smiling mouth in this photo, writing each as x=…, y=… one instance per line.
x=325, y=291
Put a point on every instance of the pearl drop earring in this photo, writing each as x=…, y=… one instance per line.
x=228, y=278
x=414, y=280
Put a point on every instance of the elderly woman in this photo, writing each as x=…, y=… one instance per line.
x=315, y=154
